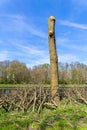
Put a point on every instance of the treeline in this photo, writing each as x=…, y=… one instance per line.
x=15, y=72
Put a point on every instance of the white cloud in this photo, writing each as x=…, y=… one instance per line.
x=3, y=55
x=73, y=24
x=84, y=61
x=19, y=24
x=43, y=60
x=62, y=40
x=30, y=50
x=28, y=54
x=70, y=44
x=67, y=58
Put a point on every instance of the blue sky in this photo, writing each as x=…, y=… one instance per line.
x=23, y=30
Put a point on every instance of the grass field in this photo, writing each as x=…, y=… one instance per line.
x=67, y=117
x=61, y=85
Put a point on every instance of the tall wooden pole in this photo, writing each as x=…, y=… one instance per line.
x=53, y=59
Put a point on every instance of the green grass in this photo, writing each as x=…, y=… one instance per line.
x=46, y=85
x=67, y=117
x=75, y=85
x=10, y=85
x=21, y=85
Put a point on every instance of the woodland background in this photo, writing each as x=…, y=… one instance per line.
x=15, y=72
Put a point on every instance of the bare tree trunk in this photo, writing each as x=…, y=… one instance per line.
x=53, y=60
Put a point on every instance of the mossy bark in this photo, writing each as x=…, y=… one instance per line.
x=53, y=60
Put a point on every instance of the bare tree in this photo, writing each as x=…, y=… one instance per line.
x=53, y=59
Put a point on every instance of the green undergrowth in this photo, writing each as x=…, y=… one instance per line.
x=66, y=117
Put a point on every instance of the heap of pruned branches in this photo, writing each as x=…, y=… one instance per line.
x=75, y=94
x=36, y=98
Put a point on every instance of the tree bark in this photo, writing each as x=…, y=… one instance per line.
x=53, y=60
